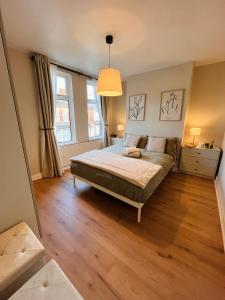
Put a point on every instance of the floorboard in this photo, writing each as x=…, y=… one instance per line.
x=176, y=252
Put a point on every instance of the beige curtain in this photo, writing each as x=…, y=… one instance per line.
x=105, y=105
x=50, y=159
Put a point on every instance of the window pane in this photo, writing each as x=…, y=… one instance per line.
x=95, y=126
x=91, y=92
x=63, y=135
x=61, y=86
x=62, y=121
x=62, y=112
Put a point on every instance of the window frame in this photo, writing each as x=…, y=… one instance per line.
x=69, y=98
x=94, y=101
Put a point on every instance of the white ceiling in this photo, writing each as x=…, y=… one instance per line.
x=148, y=34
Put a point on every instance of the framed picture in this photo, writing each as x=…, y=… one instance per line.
x=137, y=107
x=171, y=105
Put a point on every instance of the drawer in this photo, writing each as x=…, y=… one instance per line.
x=207, y=153
x=197, y=169
x=199, y=161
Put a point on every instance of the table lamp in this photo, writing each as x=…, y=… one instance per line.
x=195, y=132
x=120, y=127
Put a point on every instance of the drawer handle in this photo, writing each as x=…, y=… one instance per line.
x=199, y=153
x=197, y=161
x=196, y=169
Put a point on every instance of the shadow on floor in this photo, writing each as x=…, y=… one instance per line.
x=161, y=215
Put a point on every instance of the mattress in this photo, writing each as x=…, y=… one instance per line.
x=121, y=186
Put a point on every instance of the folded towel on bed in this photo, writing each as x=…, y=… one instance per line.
x=136, y=154
x=129, y=150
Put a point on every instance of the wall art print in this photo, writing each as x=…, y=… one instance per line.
x=171, y=105
x=137, y=107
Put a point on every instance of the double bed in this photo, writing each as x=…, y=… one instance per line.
x=116, y=185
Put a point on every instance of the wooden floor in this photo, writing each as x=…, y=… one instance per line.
x=176, y=252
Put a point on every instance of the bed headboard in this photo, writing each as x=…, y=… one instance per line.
x=172, y=145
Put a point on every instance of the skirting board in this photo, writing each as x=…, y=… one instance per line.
x=221, y=207
x=36, y=176
x=66, y=167
x=39, y=175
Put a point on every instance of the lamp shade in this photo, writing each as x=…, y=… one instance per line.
x=195, y=131
x=120, y=127
x=109, y=83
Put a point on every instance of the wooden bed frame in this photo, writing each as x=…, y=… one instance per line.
x=138, y=205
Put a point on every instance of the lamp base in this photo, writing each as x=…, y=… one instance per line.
x=190, y=146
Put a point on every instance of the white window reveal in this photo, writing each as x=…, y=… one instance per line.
x=64, y=109
x=95, y=122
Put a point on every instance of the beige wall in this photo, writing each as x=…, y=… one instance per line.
x=71, y=150
x=118, y=111
x=153, y=83
x=221, y=175
x=207, y=104
x=23, y=76
x=80, y=107
x=16, y=195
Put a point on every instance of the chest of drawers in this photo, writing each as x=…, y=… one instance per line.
x=200, y=161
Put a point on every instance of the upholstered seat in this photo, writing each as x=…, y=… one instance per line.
x=20, y=251
x=49, y=283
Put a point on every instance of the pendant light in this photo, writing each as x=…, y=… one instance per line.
x=109, y=79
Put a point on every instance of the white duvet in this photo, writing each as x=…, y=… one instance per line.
x=136, y=171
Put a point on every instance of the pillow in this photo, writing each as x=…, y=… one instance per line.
x=156, y=144
x=171, y=146
x=142, y=143
x=131, y=140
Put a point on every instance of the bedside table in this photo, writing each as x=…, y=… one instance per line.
x=199, y=161
x=116, y=140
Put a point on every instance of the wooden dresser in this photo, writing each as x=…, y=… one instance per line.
x=200, y=161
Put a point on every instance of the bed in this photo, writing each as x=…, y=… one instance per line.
x=121, y=188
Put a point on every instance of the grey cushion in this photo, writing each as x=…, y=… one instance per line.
x=142, y=143
x=171, y=146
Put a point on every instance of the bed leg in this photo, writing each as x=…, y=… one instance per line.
x=139, y=212
x=74, y=182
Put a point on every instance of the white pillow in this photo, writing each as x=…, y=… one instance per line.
x=156, y=144
x=131, y=140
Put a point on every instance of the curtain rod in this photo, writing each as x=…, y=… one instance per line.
x=69, y=69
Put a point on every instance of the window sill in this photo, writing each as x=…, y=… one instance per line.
x=67, y=144
x=95, y=139
x=77, y=143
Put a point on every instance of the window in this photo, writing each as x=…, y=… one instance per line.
x=64, y=109
x=95, y=122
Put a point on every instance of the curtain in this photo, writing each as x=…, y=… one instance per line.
x=53, y=73
x=50, y=158
x=105, y=105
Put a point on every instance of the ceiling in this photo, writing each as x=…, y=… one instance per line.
x=148, y=35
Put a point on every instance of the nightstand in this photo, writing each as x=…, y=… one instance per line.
x=116, y=140
x=199, y=161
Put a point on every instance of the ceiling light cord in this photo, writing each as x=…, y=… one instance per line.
x=109, y=41
x=109, y=57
